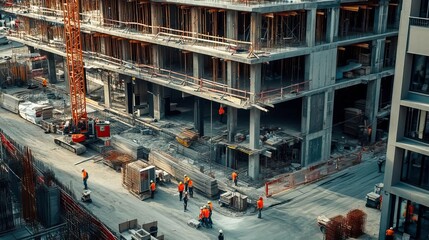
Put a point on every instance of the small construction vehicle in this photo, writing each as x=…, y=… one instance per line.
x=76, y=142
x=86, y=196
x=374, y=198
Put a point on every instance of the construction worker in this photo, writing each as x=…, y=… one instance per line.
x=191, y=188
x=85, y=178
x=206, y=213
x=201, y=217
x=186, y=181
x=221, y=113
x=185, y=202
x=44, y=84
x=234, y=177
x=390, y=234
x=220, y=236
x=152, y=189
x=259, y=206
x=210, y=208
x=180, y=188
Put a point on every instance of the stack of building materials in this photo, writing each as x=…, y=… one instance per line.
x=136, y=177
x=34, y=112
x=10, y=102
x=186, y=137
x=129, y=147
x=353, y=118
x=234, y=200
x=205, y=184
x=360, y=104
x=116, y=160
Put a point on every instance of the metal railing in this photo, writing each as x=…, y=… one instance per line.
x=418, y=21
x=280, y=93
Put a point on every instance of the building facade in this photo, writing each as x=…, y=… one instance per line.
x=285, y=68
x=406, y=197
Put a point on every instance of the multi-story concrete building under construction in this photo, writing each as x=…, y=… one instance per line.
x=406, y=197
x=297, y=79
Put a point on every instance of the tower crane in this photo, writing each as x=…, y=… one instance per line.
x=84, y=130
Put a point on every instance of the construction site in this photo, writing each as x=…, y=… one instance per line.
x=285, y=93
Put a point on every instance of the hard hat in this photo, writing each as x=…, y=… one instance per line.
x=391, y=228
x=185, y=175
x=186, y=193
x=205, y=206
x=201, y=208
x=151, y=181
x=83, y=169
x=220, y=231
x=180, y=182
x=209, y=202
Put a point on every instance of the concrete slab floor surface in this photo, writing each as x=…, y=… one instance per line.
x=291, y=215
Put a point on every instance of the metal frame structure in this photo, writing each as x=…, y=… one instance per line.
x=75, y=61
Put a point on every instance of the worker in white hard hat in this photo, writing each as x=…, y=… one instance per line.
x=152, y=189
x=220, y=237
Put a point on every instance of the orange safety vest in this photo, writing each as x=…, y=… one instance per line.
x=211, y=206
x=201, y=214
x=152, y=186
x=84, y=174
x=181, y=187
x=206, y=212
x=44, y=83
x=390, y=232
x=190, y=183
x=234, y=175
x=260, y=203
x=221, y=111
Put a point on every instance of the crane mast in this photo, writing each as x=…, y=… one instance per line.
x=75, y=62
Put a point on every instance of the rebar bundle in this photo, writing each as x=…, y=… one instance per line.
x=356, y=219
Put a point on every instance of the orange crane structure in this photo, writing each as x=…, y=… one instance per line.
x=75, y=61
x=83, y=128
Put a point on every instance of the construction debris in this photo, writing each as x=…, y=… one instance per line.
x=131, y=230
x=234, y=200
x=116, y=160
x=185, y=138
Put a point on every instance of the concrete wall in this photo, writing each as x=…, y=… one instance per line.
x=10, y=102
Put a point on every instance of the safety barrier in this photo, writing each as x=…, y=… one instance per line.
x=311, y=174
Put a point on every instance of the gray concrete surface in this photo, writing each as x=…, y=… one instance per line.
x=291, y=215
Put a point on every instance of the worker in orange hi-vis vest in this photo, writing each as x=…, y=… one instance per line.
x=390, y=234
x=85, y=178
x=260, y=205
x=186, y=181
x=152, y=188
x=191, y=188
x=180, y=188
x=44, y=84
x=234, y=177
x=221, y=113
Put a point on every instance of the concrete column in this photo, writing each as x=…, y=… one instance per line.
x=125, y=50
x=120, y=15
x=380, y=17
x=107, y=92
x=371, y=106
x=158, y=102
x=51, y=67
x=255, y=121
x=255, y=30
x=331, y=24
x=129, y=92
x=199, y=115
x=231, y=76
x=310, y=36
x=377, y=55
x=156, y=16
